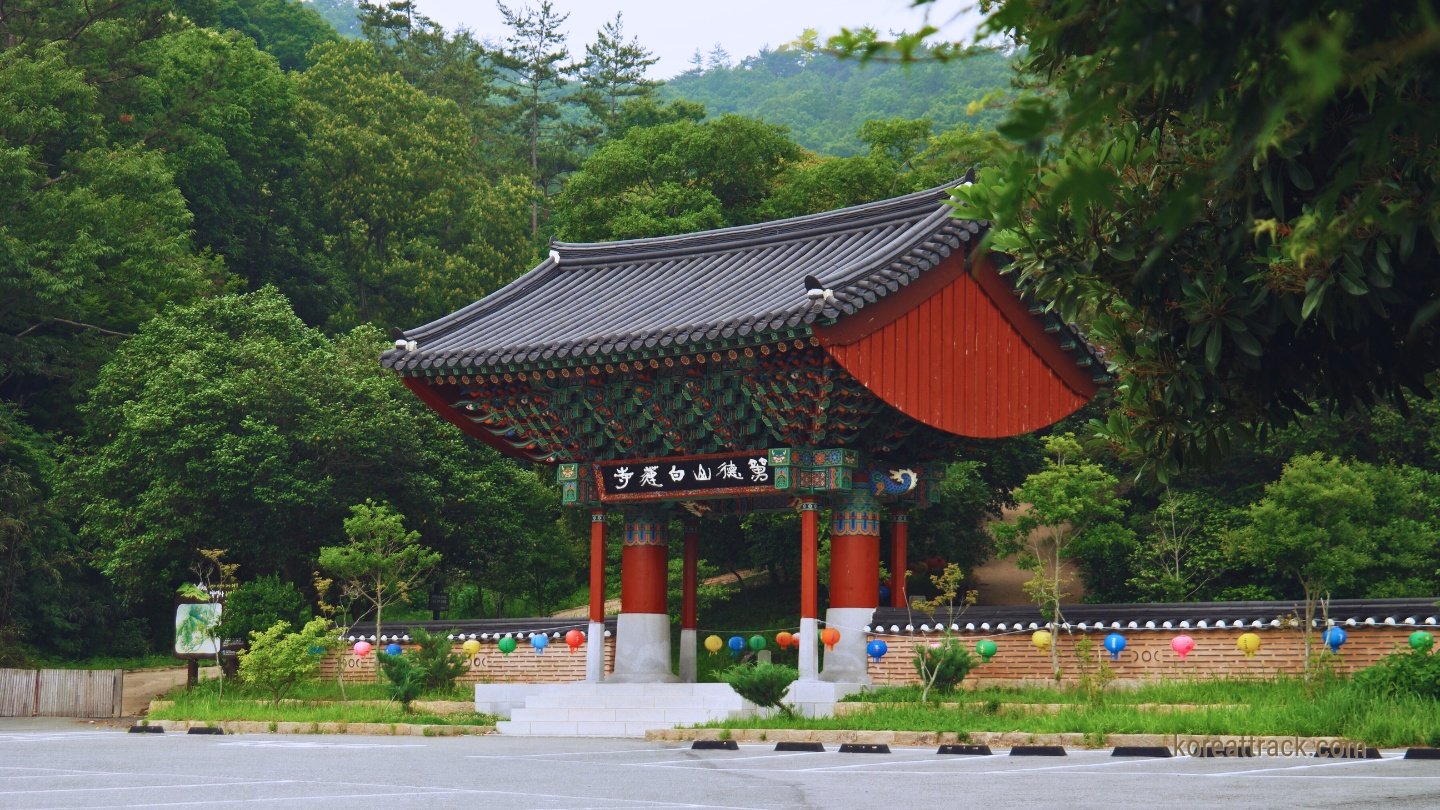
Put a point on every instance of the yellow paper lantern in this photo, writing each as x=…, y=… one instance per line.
x=714, y=644
x=471, y=647
x=1248, y=643
x=1041, y=639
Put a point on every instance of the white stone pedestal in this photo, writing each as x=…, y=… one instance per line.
x=845, y=663
x=642, y=649
x=595, y=652
x=687, y=655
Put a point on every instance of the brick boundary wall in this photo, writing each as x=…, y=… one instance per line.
x=1147, y=655
x=556, y=665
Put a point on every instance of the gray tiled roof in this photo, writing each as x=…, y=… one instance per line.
x=676, y=290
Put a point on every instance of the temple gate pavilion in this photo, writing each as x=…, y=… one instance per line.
x=828, y=361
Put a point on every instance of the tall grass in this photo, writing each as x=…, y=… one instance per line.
x=1274, y=708
x=311, y=702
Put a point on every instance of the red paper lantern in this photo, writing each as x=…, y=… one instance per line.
x=574, y=638
x=829, y=637
x=784, y=639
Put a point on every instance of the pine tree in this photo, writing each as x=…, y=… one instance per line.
x=535, y=68
x=614, y=70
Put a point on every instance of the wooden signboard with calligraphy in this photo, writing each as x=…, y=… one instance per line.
x=684, y=477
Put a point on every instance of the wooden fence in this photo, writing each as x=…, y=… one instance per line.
x=60, y=692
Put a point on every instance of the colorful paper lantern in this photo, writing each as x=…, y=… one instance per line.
x=471, y=647
x=783, y=639
x=986, y=649
x=507, y=645
x=362, y=648
x=877, y=649
x=884, y=594
x=539, y=642
x=1115, y=643
x=757, y=643
x=1041, y=639
x=1421, y=640
x=737, y=645
x=1182, y=645
x=829, y=637
x=713, y=644
x=574, y=639
x=1248, y=643
x=393, y=649
x=1334, y=638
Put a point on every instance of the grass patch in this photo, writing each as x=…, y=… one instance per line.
x=133, y=662
x=313, y=702
x=1275, y=708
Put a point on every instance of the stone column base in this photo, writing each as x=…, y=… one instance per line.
x=595, y=652
x=846, y=662
x=642, y=649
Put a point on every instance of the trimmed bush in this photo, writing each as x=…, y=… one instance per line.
x=762, y=684
x=944, y=665
x=1416, y=672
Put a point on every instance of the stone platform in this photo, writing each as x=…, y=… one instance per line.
x=608, y=709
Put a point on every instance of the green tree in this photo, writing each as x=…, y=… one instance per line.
x=1238, y=205
x=414, y=224
x=1337, y=528
x=1180, y=554
x=229, y=423
x=259, y=604
x=675, y=178
x=382, y=560
x=535, y=68
x=613, y=73
x=285, y=29
x=433, y=657
x=1069, y=501
x=277, y=658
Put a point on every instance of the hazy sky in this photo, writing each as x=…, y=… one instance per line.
x=673, y=29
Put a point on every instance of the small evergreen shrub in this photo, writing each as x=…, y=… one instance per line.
x=762, y=684
x=405, y=680
x=944, y=665
x=439, y=667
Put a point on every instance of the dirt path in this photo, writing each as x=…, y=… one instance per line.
x=144, y=685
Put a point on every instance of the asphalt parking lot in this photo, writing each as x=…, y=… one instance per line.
x=64, y=764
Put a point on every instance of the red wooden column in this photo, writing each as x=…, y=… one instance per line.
x=899, y=548
x=642, y=634
x=854, y=583
x=809, y=588
x=595, y=634
x=689, y=584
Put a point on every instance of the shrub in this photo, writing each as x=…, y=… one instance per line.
x=943, y=666
x=259, y=604
x=278, y=659
x=1416, y=672
x=762, y=684
x=405, y=679
x=439, y=667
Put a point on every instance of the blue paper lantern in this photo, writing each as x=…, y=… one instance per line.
x=737, y=645
x=1114, y=643
x=877, y=649
x=884, y=594
x=393, y=649
x=1333, y=638
x=538, y=641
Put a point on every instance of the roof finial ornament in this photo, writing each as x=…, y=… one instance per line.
x=554, y=253
x=969, y=178
x=815, y=291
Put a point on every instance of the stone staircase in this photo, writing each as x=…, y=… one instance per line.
x=607, y=710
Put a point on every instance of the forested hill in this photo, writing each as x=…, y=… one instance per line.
x=824, y=100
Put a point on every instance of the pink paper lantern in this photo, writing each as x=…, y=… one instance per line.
x=1182, y=645
x=362, y=648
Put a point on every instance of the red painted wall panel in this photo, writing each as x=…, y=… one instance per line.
x=958, y=351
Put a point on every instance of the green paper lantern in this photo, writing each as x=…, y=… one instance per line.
x=757, y=643
x=986, y=648
x=1421, y=640
x=507, y=645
